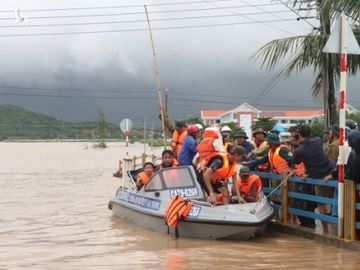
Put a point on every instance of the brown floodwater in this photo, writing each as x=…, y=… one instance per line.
x=53, y=215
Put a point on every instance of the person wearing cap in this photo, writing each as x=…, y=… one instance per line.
x=261, y=148
x=242, y=140
x=226, y=135
x=249, y=186
x=201, y=130
x=189, y=146
x=278, y=157
x=178, y=137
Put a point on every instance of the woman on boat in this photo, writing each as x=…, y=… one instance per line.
x=144, y=177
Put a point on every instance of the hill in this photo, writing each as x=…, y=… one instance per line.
x=18, y=123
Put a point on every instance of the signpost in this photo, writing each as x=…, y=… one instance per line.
x=342, y=41
x=126, y=126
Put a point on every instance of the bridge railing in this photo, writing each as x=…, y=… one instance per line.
x=351, y=200
x=287, y=194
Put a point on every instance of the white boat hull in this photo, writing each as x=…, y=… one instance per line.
x=189, y=228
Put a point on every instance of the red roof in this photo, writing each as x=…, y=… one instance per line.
x=291, y=113
x=212, y=113
x=302, y=113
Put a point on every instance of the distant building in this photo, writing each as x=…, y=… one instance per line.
x=245, y=116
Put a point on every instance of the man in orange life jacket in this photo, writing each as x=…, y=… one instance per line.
x=167, y=160
x=261, y=148
x=178, y=137
x=279, y=157
x=219, y=169
x=249, y=186
x=143, y=178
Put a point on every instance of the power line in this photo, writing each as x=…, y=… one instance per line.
x=133, y=21
x=140, y=29
x=50, y=90
x=249, y=18
x=268, y=12
x=271, y=84
x=76, y=89
x=73, y=96
x=127, y=6
x=297, y=14
x=236, y=103
x=125, y=13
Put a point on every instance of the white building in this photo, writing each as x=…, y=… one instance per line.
x=245, y=116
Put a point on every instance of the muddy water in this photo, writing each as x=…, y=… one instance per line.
x=53, y=215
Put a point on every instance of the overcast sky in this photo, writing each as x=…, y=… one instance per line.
x=115, y=71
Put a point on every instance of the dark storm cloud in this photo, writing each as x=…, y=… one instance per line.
x=195, y=64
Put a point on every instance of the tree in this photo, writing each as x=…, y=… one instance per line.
x=306, y=51
x=264, y=123
x=101, y=127
x=193, y=120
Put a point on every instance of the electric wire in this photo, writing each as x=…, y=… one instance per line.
x=124, y=13
x=130, y=6
x=134, y=21
x=141, y=29
x=249, y=18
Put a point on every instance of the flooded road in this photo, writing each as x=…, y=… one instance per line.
x=53, y=215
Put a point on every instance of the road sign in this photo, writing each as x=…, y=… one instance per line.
x=126, y=125
x=333, y=45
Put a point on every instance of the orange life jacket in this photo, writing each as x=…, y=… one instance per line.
x=177, y=141
x=245, y=187
x=228, y=146
x=299, y=168
x=277, y=163
x=226, y=171
x=143, y=178
x=261, y=167
x=175, y=164
x=206, y=150
x=176, y=209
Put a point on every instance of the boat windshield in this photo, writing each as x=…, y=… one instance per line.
x=180, y=177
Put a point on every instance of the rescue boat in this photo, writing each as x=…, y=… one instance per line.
x=146, y=207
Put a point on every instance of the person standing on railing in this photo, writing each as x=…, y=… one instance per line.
x=317, y=166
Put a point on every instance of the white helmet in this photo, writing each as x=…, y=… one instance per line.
x=200, y=126
x=225, y=129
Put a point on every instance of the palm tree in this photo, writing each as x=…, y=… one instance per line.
x=306, y=51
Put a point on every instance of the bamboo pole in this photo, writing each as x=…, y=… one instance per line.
x=157, y=73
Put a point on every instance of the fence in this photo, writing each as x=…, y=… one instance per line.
x=350, y=204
